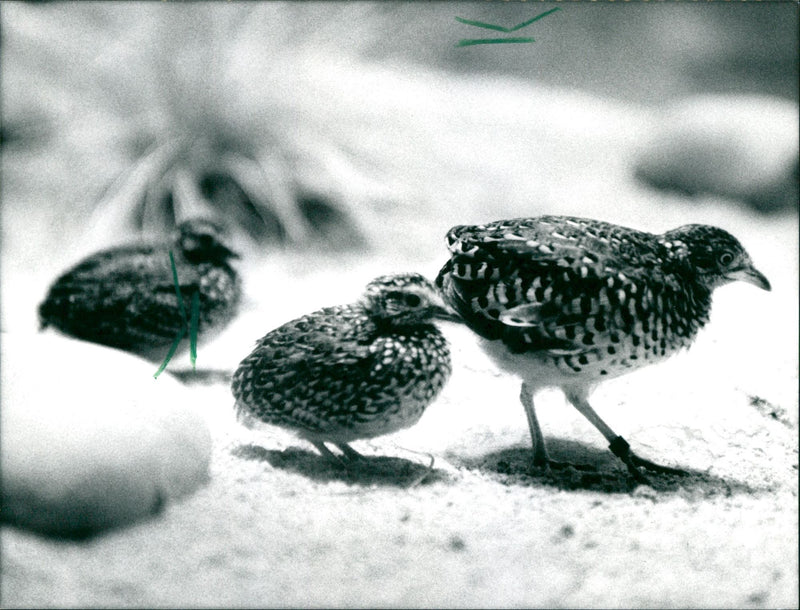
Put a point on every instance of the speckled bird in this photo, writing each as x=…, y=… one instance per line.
x=125, y=297
x=352, y=371
x=569, y=302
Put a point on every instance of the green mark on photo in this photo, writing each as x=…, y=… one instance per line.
x=170, y=353
x=181, y=309
x=466, y=43
x=191, y=325
x=499, y=28
x=193, y=329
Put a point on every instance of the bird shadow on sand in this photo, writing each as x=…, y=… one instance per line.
x=370, y=471
x=598, y=470
x=202, y=376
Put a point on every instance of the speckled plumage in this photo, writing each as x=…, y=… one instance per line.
x=125, y=297
x=568, y=302
x=350, y=371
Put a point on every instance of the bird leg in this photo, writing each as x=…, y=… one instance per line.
x=327, y=453
x=540, y=456
x=350, y=453
x=618, y=445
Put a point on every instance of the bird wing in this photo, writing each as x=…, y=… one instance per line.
x=546, y=285
x=310, y=358
x=99, y=285
x=338, y=369
x=119, y=286
x=325, y=336
x=565, y=237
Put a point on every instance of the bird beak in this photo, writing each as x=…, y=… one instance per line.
x=441, y=313
x=227, y=252
x=753, y=276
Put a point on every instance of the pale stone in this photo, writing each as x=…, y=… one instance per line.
x=738, y=146
x=90, y=439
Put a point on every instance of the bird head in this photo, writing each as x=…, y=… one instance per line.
x=405, y=299
x=715, y=255
x=200, y=241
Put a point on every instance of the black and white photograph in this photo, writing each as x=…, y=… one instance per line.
x=400, y=304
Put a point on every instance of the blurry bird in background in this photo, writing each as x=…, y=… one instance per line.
x=126, y=297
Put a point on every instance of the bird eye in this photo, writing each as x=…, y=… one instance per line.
x=412, y=300
x=196, y=243
x=406, y=298
x=726, y=258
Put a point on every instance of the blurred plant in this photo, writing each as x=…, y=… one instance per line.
x=187, y=102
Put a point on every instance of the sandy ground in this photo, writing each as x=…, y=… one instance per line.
x=276, y=525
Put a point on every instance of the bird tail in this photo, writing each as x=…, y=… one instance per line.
x=44, y=316
x=243, y=415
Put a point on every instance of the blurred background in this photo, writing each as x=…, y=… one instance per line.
x=630, y=52
x=302, y=122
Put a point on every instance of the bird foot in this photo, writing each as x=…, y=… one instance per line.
x=652, y=466
x=620, y=447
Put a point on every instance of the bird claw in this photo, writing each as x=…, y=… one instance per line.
x=636, y=473
x=652, y=466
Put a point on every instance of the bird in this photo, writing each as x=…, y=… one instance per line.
x=350, y=372
x=126, y=297
x=568, y=302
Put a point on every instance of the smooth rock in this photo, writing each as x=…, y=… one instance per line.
x=738, y=146
x=89, y=440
